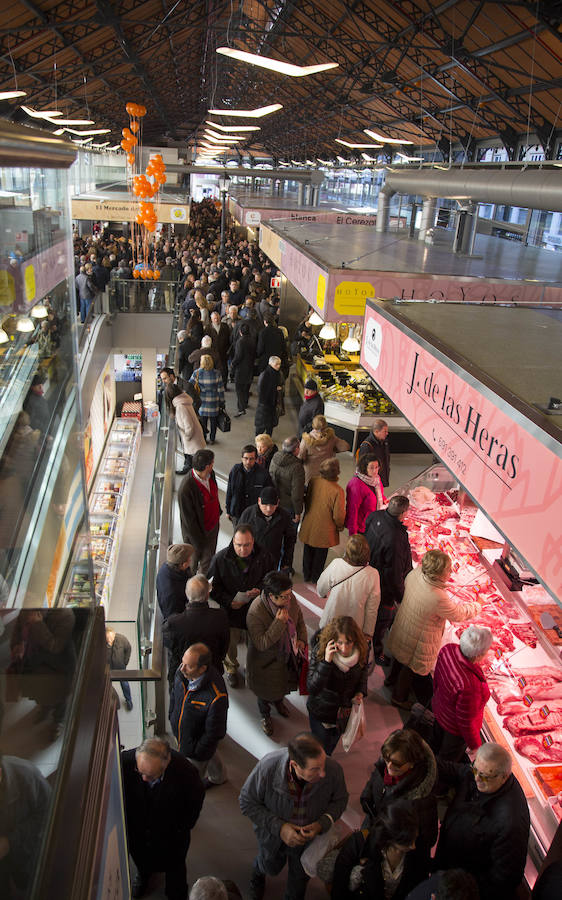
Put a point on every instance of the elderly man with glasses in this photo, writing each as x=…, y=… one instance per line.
x=486, y=828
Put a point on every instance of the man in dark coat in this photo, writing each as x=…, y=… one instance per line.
x=200, y=511
x=287, y=473
x=198, y=712
x=237, y=573
x=198, y=623
x=271, y=342
x=163, y=796
x=312, y=405
x=221, y=334
x=376, y=444
x=172, y=578
x=269, y=394
x=272, y=526
x=486, y=827
x=242, y=367
x=391, y=556
x=245, y=481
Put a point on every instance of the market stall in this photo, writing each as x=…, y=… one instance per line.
x=493, y=505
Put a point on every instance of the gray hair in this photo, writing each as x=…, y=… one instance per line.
x=206, y=340
x=157, y=747
x=274, y=359
x=497, y=756
x=290, y=444
x=208, y=888
x=197, y=589
x=475, y=641
x=182, y=334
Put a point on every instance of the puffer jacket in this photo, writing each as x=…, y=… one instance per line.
x=329, y=687
x=198, y=717
x=416, y=787
x=460, y=694
x=316, y=447
x=268, y=674
x=417, y=631
x=187, y=424
x=287, y=472
x=325, y=513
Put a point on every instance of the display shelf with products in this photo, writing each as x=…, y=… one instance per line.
x=107, y=508
x=523, y=667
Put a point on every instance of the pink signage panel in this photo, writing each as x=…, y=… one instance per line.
x=515, y=478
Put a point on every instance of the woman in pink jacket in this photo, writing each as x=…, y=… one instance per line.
x=364, y=494
x=460, y=693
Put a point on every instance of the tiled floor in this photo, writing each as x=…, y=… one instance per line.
x=223, y=843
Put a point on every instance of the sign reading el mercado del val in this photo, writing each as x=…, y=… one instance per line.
x=496, y=454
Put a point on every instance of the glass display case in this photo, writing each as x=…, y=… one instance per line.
x=523, y=667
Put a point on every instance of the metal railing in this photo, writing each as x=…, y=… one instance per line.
x=131, y=295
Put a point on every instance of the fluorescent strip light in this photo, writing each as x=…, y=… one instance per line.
x=11, y=95
x=71, y=121
x=247, y=113
x=221, y=140
x=223, y=137
x=59, y=131
x=358, y=146
x=266, y=62
x=380, y=137
x=295, y=163
x=41, y=114
x=368, y=158
x=90, y=132
x=233, y=127
x=325, y=162
x=410, y=158
x=341, y=159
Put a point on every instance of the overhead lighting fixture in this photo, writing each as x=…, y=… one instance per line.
x=386, y=140
x=309, y=162
x=11, y=95
x=325, y=162
x=351, y=344
x=315, y=319
x=223, y=137
x=221, y=140
x=101, y=146
x=247, y=113
x=275, y=65
x=410, y=158
x=39, y=311
x=59, y=131
x=91, y=131
x=41, y=114
x=357, y=146
x=25, y=324
x=233, y=127
x=368, y=158
x=72, y=121
x=341, y=159
x=328, y=332
x=84, y=141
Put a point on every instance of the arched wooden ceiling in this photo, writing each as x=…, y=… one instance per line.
x=434, y=73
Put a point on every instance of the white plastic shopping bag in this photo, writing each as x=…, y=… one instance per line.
x=321, y=845
x=355, y=728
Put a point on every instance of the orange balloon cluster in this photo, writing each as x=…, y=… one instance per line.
x=136, y=109
x=147, y=273
x=129, y=141
x=143, y=188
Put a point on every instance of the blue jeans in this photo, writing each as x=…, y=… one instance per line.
x=85, y=303
x=126, y=688
x=328, y=737
x=212, y=426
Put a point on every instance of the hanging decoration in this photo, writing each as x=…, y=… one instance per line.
x=145, y=187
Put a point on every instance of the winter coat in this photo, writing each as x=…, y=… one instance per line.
x=185, y=347
x=191, y=504
x=324, y=513
x=269, y=395
x=313, y=406
x=119, y=654
x=391, y=555
x=264, y=459
x=198, y=717
x=287, y=472
x=278, y=533
x=187, y=424
x=460, y=694
x=329, y=687
x=417, y=630
x=484, y=834
x=381, y=451
x=198, y=623
x=359, y=846
x=271, y=342
x=244, y=488
x=211, y=391
x=170, y=589
x=268, y=674
x=352, y=591
x=26, y=802
x=229, y=579
x=222, y=340
x=315, y=448
x=242, y=366
x=416, y=787
x=266, y=799
x=159, y=821
x=360, y=501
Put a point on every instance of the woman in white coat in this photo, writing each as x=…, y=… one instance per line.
x=352, y=587
x=187, y=424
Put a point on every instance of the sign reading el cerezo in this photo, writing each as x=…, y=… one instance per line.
x=510, y=472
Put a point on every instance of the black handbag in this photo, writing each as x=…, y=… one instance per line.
x=223, y=421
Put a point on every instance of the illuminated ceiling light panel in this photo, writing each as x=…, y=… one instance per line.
x=247, y=113
x=11, y=95
x=221, y=138
x=309, y=162
x=341, y=159
x=325, y=162
x=368, y=158
x=358, y=146
x=217, y=143
x=295, y=163
x=380, y=137
x=410, y=158
x=41, y=114
x=233, y=127
x=70, y=121
x=266, y=62
x=101, y=146
x=59, y=131
x=92, y=131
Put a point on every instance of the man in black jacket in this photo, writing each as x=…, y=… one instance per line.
x=245, y=481
x=198, y=712
x=221, y=335
x=287, y=473
x=269, y=394
x=163, y=796
x=172, y=578
x=272, y=526
x=237, y=573
x=312, y=405
x=376, y=443
x=242, y=366
x=486, y=827
x=271, y=342
x=198, y=623
x=391, y=555
x=200, y=511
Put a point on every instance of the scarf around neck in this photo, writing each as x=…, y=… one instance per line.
x=375, y=483
x=286, y=646
x=345, y=663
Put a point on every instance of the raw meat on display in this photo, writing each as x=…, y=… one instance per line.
x=531, y=746
x=532, y=720
x=526, y=633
